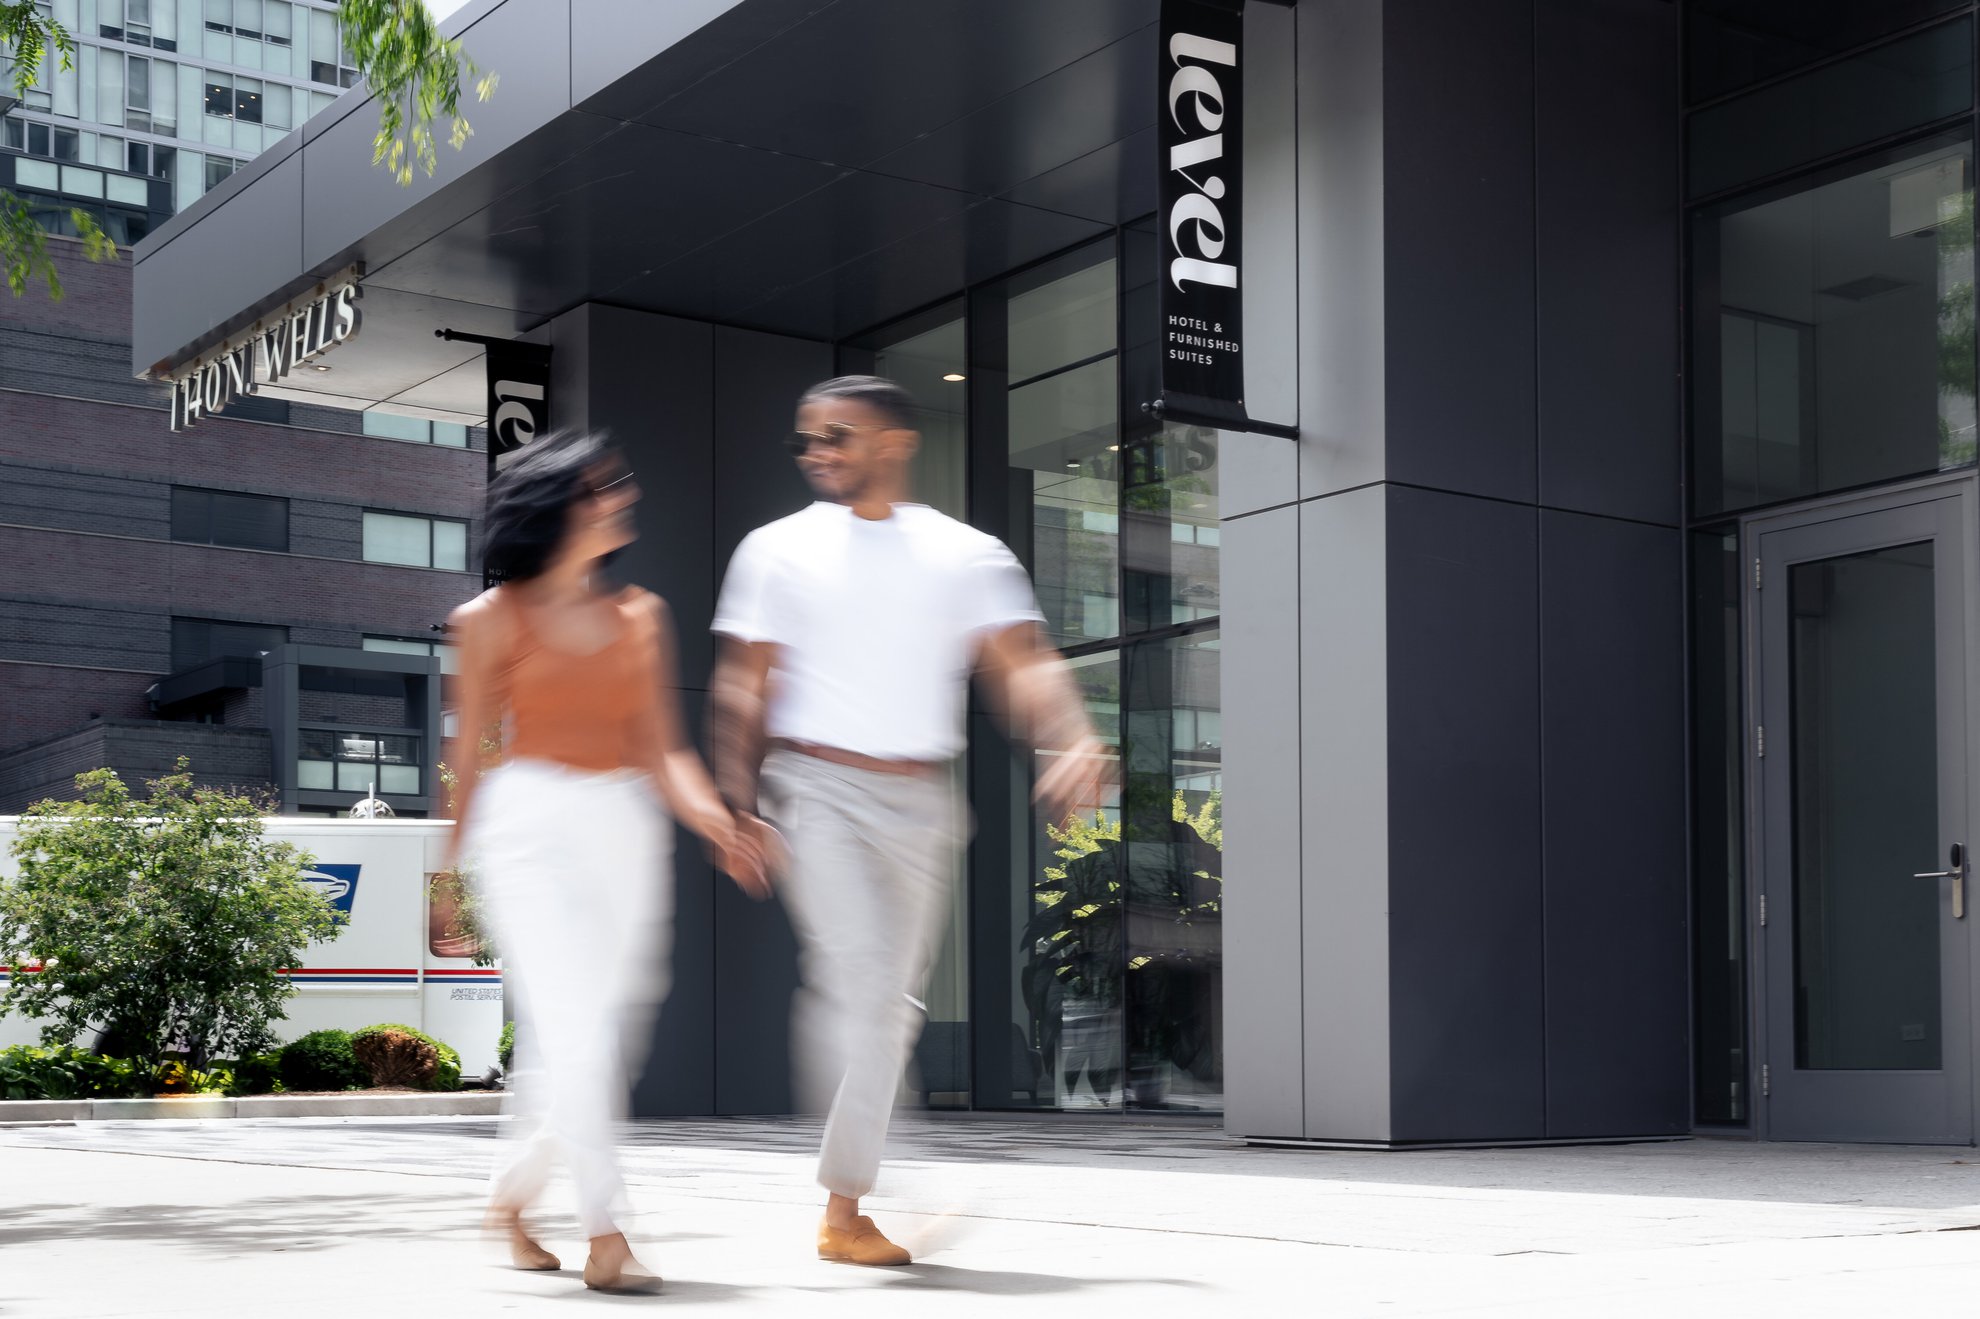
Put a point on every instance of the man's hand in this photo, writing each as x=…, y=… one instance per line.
x=1073, y=780
x=752, y=854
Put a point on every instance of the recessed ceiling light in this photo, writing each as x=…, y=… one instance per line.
x=953, y=377
x=317, y=366
x=1072, y=464
x=1113, y=448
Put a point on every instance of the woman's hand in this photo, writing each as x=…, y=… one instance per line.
x=749, y=854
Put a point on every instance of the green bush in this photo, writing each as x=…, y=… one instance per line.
x=60, y=1072
x=257, y=1074
x=505, y=1051
x=447, y=1076
x=320, y=1060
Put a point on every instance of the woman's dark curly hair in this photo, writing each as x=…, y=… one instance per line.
x=529, y=504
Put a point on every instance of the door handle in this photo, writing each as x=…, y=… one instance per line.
x=1957, y=875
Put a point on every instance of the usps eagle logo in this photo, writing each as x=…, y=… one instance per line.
x=337, y=884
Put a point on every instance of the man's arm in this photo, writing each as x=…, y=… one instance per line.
x=1033, y=689
x=738, y=702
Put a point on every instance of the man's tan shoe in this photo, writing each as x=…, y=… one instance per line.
x=859, y=1244
x=629, y=1279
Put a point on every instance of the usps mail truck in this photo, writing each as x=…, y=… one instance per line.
x=388, y=964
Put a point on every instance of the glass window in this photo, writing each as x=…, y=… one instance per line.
x=195, y=641
x=347, y=761
x=217, y=170
x=1833, y=344
x=449, y=656
x=223, y=517
x=1718, y=860
x=397, y=426
x=1732, y=43
x=415, y=542
x=1061, y=409
x=247, y=100
x=926, y=357
x=1908, y=84
x=1173, y=832
x=220, y=95
x=450, y=545
x=67, y=144
x=450, y=434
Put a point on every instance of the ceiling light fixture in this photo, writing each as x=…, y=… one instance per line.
x=1072, y=464
x=318, y=366
x=953, y=377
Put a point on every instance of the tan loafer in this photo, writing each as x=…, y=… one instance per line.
x=628, y=1280
x=862, y=1243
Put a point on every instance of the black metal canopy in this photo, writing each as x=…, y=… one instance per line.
x=809, y=167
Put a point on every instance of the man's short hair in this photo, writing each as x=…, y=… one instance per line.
x=882, y=395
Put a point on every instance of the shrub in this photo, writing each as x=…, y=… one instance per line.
x=170, y=916
x=505, y=1050
x=257, y=1074
x=27, y=1072
x=320, y=1060
x=447, y=1062
x=392, y=1057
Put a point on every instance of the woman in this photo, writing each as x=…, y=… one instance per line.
x=570, y=834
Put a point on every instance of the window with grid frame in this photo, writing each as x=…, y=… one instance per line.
x=412, y=541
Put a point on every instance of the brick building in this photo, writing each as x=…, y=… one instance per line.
x=146, y=575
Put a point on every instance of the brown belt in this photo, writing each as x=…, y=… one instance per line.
x=854, y=760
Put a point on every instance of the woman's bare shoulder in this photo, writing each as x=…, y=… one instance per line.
x=479, y=614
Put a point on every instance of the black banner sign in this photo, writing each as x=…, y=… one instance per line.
x=1201, y=136
x=518, y=399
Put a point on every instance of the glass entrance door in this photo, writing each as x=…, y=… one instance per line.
x=1861, y=751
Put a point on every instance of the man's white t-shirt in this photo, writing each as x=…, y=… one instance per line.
x=879, y=623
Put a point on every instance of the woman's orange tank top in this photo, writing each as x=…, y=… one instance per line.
x=580, y=710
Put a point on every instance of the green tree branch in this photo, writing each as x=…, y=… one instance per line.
x=417, y=76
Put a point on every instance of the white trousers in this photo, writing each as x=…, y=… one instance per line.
x=575, y=869
x=868, y=891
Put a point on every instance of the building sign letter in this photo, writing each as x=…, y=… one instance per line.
x=1200, y=134
x=210, y=384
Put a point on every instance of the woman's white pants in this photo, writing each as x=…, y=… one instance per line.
x=576, y=876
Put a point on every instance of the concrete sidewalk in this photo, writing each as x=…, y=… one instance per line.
x=377, y=1215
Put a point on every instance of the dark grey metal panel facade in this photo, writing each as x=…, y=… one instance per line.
x=647, y=381
x=1612, y=667
x=1466, y=917
x=1457, y=113
x=260, y=246
x=1606, y=127
x=758, y=378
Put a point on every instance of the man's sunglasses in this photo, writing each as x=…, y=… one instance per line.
x=617, y=476
x=833, y=436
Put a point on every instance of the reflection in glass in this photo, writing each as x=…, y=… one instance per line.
x=1835, y=345
x=1719, y=899
x=1064, y=427
x=1864, y=701
x=1174, y=832
x=1070, y=951
x=929, y=365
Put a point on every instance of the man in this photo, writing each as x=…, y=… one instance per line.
x=851, y=631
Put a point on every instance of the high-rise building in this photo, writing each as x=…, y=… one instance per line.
x=184, y=92
x=259, y=591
